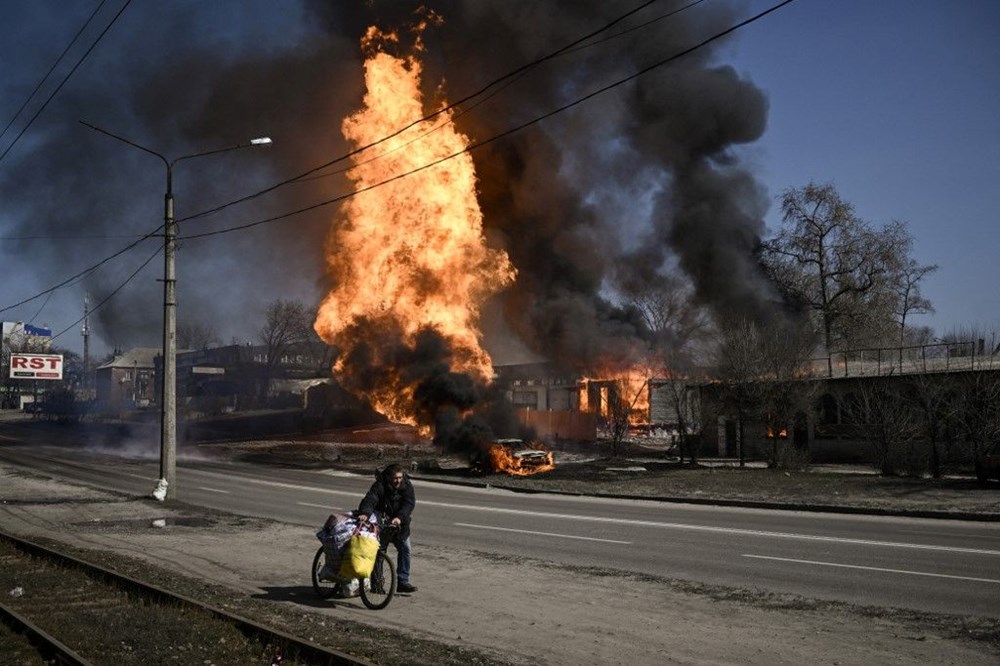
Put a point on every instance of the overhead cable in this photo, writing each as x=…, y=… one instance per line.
x=112, y=294
x=484, y=88
x=445, y=109
x=65, y=79
x=53, y=67
x=504, y=134
x=84, y=272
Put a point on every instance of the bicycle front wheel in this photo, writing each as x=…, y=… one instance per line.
x=377, y=590
x=325, y=586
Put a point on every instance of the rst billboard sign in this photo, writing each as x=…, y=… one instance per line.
x=36, y=366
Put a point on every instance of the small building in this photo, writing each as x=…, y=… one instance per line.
x=127, y=381
x=239, y=377
x=548, y=401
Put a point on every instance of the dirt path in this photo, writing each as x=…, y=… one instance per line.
x=527, y=613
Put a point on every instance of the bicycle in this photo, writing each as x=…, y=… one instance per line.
x=377, y=590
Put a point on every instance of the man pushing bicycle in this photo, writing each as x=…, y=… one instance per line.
x=391, y=497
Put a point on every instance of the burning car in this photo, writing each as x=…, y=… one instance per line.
x=532, y=458
x=511, y=456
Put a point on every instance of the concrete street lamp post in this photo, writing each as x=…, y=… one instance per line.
x=167, y=486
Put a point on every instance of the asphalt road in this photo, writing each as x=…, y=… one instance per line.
x=921, y=564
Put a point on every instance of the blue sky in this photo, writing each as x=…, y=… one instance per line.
x=893, y=101
x=897, y=103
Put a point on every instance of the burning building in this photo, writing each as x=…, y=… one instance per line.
x=439, y=237
x=562, y=182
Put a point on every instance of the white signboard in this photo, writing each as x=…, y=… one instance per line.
x=36, y=366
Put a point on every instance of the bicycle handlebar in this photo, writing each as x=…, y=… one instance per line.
x=381, y=524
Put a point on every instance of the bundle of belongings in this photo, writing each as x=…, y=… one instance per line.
x=349, y=549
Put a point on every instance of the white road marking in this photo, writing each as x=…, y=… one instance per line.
x=651, y=523
x=214, y=490
x=722, y=530
x=882, y=569
x=321, y=506
x=548, y=534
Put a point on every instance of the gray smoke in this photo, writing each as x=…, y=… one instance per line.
x=614, y=190
x=169, y=77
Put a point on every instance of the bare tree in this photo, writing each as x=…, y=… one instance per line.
x=669, y=311
x=978, y=399
x=738, y=369
x=195, y=335
x=684, y=405
x=763, y=371
x=619, y=412
x=835, y=265
x=936, y=410
x=676, y=324
x=881, y=417
x=909, y=301
x=286, y=324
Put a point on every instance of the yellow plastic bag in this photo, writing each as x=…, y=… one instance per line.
x=359, y=559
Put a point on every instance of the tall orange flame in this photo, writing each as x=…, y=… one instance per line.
x=409, y=254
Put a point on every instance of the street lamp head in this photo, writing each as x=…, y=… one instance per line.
x=262, y=141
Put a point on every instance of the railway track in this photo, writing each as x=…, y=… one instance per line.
x=59, y=609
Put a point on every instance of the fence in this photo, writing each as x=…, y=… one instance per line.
x=916, y=359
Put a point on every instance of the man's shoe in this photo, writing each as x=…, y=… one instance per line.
x=406, y=588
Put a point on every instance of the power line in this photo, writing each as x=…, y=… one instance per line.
x=634, y=28
x=76, y=237
x=53, y=67
x=516, y=72
x=484, y=88
x=469, y=148
x=112, y=294
x=504, y=134
x=42, y=307
x=84, y=272
x=508, y=79
x=65, y=79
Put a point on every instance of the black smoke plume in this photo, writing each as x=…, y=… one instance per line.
x=628, y=184
x=638, y=180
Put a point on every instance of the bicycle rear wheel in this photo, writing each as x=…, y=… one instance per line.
x=377, y=590
x=324, y=588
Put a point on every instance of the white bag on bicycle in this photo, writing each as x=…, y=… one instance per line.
x=335, y=534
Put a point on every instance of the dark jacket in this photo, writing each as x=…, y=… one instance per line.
x=389, y=503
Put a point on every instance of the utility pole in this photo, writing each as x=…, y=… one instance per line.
x=85, y=332
x=168, y=401
x=166, y=487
